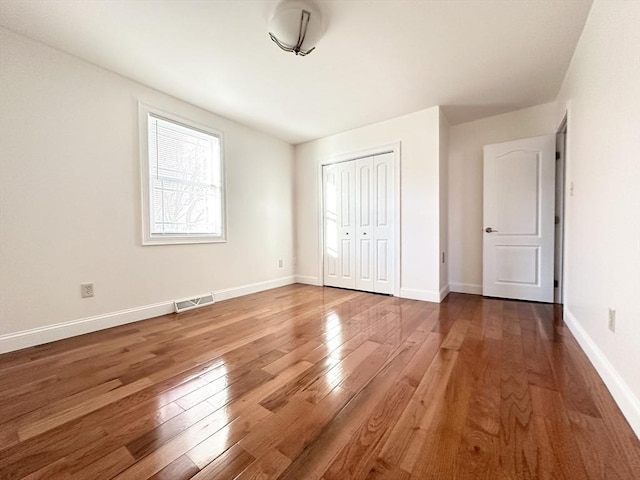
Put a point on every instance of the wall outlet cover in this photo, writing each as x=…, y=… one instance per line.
x=86, y=290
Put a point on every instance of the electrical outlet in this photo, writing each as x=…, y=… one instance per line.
x=612, y=319
x=280, y=263
x=86, y=290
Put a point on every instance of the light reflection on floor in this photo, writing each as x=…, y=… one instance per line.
x=333, y=323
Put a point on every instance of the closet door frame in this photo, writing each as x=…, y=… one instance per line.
x=382, y=149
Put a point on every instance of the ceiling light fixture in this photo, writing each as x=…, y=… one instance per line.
x=296, y=26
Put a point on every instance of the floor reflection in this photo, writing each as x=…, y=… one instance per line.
x=333, y=326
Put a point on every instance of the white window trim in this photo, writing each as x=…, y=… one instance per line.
x=147, y=238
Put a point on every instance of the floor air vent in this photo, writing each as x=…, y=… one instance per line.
x=191, y=303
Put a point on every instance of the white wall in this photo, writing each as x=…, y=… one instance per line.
x=444, y=202
x=420, y=241
x=465, y=184
x=601, y=92
x=70, y=196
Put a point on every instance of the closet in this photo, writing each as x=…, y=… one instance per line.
x=358, y=207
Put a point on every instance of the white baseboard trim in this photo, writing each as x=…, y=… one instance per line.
x=307, y=280
x=629, y=404
x=460, y=287
x=444, y=291
x=50, y=333
x=419, y=294
x=234, y=292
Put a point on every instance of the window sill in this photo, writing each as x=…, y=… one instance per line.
x=175, y=240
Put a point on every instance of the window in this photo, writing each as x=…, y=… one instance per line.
x=183, y=197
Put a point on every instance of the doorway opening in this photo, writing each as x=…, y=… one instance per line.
x=561, y=165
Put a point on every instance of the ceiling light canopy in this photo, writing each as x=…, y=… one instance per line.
x=296, y=26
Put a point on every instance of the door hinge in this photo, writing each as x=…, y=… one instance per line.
x=555, y=284
x=557, y=155
x=557, y=220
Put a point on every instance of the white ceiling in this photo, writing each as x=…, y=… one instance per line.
x=378, y=59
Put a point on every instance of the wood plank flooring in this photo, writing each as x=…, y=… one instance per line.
x=306, y=382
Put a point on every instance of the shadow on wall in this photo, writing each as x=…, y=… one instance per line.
x=457, y=114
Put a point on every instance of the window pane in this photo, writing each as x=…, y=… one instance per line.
x=185, y=180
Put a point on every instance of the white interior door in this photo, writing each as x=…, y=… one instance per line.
x=519, y=196
x=383, y=217
x=339, y=221
x=359, y=224
x=365, y=241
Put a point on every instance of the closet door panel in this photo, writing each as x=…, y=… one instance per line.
x=382, y=263
x=347, y=225
x=383, y=181
x=364, y=223
x=364, y=263
x=339, y=225
x=330, y=225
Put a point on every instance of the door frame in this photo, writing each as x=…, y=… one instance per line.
x=561, y=200
x=346, y=157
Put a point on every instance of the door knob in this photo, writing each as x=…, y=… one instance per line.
x=490, y=230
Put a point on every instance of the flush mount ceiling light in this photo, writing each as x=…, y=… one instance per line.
x=296, y=26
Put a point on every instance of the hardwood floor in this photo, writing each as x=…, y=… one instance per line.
x=305, y=382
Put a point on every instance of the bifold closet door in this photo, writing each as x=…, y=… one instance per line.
x=358, y=216
x=383, y=223
x=365, y=240
x=339, y=220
